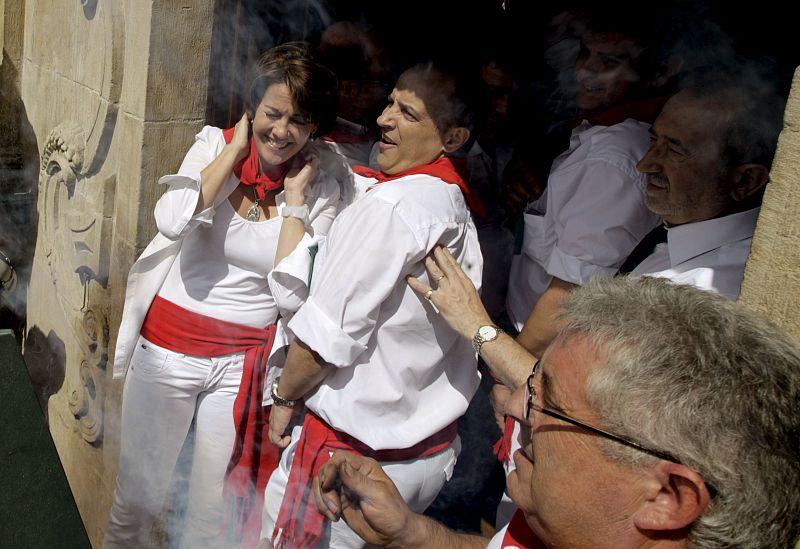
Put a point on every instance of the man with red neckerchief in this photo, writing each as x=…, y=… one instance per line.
x=380, y=372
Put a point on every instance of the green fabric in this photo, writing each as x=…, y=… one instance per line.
x=36, y=505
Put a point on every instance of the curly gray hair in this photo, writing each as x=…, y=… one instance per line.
x=694, y=374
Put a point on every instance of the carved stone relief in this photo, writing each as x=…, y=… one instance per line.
x=86, y=402
x=76, y=224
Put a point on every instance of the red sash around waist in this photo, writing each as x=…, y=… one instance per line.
x=299, y=524
x=251, y=464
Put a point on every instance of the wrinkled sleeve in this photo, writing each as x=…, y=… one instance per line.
x=289, y=280
x=366, y=255
x=599, y=224
x=325, y=207
x=174, y=211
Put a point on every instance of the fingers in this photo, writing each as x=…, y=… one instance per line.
x=418, y=286
x=326, y=491
x=279, y=440
x=279, y=420
x=447, y=263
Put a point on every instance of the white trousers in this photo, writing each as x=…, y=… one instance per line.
x=164, y=393
x=418, y=481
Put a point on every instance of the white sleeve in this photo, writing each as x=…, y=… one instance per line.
x=366, y=255
x=174, y=211
x=598, y=224
x=325, y=205
x=288, y=281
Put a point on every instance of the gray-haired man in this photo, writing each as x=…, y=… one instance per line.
x=661, y=415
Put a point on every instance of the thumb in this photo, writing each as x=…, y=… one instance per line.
x=354, y=480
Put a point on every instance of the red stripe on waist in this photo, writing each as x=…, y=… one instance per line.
x=299, y=523
x=251, y=463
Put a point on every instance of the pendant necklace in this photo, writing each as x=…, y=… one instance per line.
x=253, y=213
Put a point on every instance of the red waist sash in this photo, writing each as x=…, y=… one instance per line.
x=250, y=464
x=299, y=524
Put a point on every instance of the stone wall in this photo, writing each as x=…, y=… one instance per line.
x=772, y=278
x=114, y=92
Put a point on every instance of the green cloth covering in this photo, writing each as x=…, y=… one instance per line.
x=36, y=505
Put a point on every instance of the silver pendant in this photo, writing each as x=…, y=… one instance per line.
x=253, y=214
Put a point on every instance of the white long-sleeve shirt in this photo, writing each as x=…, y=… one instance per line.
x=178, y=224
x=590, y=217
x=710, y=254
x=401, y=373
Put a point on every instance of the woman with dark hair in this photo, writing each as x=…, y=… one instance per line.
x=199, y=318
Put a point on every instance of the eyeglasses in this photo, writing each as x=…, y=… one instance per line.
x=530, y=404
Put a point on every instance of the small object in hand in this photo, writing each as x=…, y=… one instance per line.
x=439, y=278
x=428, y=294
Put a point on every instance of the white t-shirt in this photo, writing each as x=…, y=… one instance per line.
x=401, y=373
x=221, y=269
x=589, y=218
x=710, y=254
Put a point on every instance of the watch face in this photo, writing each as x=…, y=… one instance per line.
x=487, y=332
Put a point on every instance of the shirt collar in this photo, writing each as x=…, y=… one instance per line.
x=693, y=239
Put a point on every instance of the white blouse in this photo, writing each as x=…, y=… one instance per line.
x=176, y=222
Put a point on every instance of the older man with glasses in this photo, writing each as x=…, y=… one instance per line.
x=661, y=415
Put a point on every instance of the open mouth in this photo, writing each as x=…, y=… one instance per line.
x=591, y=89
x=657, y=182
x=386, y=141
x=278, y=145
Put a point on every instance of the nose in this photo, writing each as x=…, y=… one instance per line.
x=516, y=404
x=650, y=162
x=280, y=129
x=386, y=120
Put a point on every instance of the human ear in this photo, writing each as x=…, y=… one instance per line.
x=748, y=179
x=455, y=139
x=675, y=497
x=667, y=71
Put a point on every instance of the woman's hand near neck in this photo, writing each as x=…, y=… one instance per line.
x=216, y=173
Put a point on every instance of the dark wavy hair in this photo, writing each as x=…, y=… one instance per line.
x=311, y=84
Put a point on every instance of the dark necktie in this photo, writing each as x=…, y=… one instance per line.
x=643, y=249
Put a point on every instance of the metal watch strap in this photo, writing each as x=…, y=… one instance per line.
x=478, y=340
x=277, y=399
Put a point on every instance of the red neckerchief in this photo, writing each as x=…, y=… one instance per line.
x=300, y=524
x=448, y=169
x=248, y=173
x=643, y=110
x=519, y=534
x=502, y=448
x=253, y=458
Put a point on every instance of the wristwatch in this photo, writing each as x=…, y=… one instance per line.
x=277, y=400
x=484, y=334
x=300, y=212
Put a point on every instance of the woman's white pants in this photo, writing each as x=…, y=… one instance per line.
x=165, y=392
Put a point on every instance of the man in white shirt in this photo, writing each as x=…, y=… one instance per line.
x=380, y=372
x=710, y=152
x=592, y=213
x=640, y=427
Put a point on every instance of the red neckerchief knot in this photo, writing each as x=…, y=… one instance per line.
x=248, y=173
x=448, y=169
